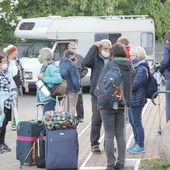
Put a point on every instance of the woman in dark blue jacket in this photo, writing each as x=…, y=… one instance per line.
x=138, y=100
x=164, y=68
x=69, y=72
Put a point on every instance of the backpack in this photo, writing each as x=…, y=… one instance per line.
x=151, y=86
x=38, y=152
x=108, y=90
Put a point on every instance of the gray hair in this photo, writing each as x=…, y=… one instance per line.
x=46, y=53
x=71, y=44
x=105, y=41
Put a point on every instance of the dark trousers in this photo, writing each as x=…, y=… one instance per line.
x=96, y=122
x=79, y=107
x=5, y=122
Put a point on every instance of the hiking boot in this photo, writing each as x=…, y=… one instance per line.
x=110, y=167
x=137, y=149
x=95, y=149
x=130, y=147
x=119, y=166
x=5, y=147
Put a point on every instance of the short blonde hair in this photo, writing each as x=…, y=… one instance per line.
x=46, y=53
x=138, y=51
x=123, y=40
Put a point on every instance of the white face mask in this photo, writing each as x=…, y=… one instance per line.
x=105, y=54
x=4, y=66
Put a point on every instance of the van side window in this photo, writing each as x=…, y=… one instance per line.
x=147, y=40
x=59, y=51
x=112, y=37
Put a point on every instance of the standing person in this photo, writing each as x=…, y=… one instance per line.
x=140, y=63
x=5, y=103
x=125, y=41
x=82, y=70
x=50, y=75
x=69, y=72
x=164, y=68
x=15, y=68
x=114, y=119
x=96, y=58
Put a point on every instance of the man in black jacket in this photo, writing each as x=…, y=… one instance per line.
x=96, y=58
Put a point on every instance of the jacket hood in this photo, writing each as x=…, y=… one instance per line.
x=123, y=63
x=142, y=62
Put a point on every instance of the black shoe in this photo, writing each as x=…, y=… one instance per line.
x=119, y=167
x=110, y=167
x=95, y=149
x=80, y=119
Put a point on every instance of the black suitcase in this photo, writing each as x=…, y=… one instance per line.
x=61, y=149
x=27, y=133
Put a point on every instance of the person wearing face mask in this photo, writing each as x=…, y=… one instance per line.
x=50, y=75
x=69, y=72
x=82, y=71
x=95, y=59
x=14, y=67
x=138, y=100
x=6, y=98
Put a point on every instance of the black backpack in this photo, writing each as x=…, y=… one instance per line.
x=38, y=153
x=151, y=86
x=108, y=90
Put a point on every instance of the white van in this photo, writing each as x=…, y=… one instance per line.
x=57, y=32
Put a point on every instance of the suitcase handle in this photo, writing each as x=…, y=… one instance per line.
x=39, y=104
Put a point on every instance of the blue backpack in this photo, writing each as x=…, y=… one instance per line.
x=108, y=90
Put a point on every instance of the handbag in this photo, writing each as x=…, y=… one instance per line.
x=17, y=80
x=58, y=89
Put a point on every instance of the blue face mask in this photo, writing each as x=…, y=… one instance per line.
x=40, y=59
x=134, y=61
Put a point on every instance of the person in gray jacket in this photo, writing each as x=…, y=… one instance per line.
x=95, y=59
x=114, y=119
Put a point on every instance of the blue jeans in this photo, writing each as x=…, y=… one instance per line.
x=114, y=126
x=49, y=106
x=167, y=97
x=135, y=119
x=96, y=122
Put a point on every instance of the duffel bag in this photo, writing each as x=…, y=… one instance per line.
x=59, y=120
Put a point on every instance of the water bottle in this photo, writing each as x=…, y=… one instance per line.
x=116, y=103
x=41, y=86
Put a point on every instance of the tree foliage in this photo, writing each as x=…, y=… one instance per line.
x=12, y=10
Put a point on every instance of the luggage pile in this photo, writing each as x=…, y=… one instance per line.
x=51, y=143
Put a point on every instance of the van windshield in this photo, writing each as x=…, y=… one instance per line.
x=33, y=49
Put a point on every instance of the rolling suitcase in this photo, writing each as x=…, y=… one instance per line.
x=61, y=149
x=27, y=133
x=61, y=146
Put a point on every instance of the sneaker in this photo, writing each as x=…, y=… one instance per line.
x=137, y=149
x=1, y=151
x=130, y=147
x=5, y=147
x=119, y=166
x=13, y=128
x=95, y=149
x=80, y=119
x=110, y=167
